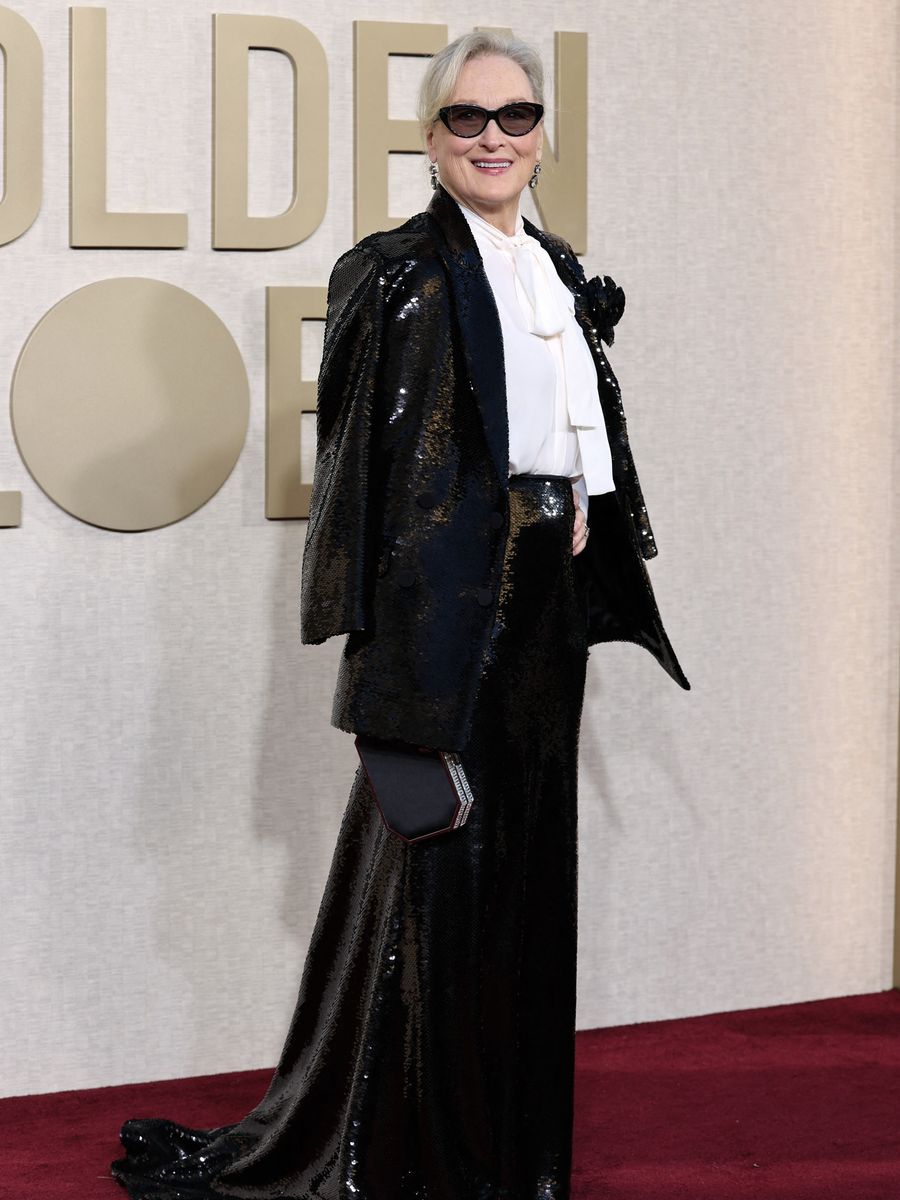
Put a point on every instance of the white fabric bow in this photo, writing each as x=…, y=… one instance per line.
x=544, y=309
x=549, y=308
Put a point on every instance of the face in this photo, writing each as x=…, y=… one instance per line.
x=488, y=172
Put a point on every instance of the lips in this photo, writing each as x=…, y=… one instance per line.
x=492, y=165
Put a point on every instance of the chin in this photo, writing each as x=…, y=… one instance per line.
x=496, y=191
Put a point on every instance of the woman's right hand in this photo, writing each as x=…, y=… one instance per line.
x=580, y=532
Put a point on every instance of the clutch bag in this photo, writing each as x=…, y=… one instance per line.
x=419, y=792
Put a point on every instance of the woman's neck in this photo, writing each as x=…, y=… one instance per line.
x=505, y=217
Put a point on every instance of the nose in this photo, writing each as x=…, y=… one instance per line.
x=492, y=135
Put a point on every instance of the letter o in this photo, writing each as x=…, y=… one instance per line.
x=130, y=403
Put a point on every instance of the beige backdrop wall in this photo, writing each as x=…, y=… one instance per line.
x=170, y=785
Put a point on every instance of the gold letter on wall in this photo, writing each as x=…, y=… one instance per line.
x=89, y=222
x=288, y=397
x=22, y=126
x=130, y=403
x=561, y=196
x=10, y=510
x=377, y=135
x=235, y=36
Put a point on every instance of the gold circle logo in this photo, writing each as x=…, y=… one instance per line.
x=130, y=403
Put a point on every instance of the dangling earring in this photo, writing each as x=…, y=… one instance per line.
x=533, y=181
x=434, y=175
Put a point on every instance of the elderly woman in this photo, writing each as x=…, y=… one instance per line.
x=476, y=523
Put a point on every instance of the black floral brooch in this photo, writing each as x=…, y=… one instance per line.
x=606, y=303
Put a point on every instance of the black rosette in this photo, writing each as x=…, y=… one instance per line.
x=606, y=302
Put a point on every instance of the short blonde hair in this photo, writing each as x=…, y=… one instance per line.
x=444, y=69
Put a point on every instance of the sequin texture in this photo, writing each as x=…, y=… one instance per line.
x=431, y=1054
x=409, y=507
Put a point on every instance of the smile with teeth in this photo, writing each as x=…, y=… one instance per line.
x=491, y=164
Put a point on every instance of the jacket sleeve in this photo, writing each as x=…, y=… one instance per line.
x=334, y=587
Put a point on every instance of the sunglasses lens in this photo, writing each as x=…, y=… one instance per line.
x=468, y=120
x=516, y=119
x=465, y=121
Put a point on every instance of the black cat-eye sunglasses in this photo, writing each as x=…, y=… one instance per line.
x=468, y=120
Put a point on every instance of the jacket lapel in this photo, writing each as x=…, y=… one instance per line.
x=479, y=323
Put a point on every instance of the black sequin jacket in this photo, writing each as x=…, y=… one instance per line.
x=409, y=501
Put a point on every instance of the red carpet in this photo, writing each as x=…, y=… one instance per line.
x=800, y=1101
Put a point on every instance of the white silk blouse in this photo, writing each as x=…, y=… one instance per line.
x=556, y=424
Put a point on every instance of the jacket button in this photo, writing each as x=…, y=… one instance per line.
x=496, y=520
x=485, y=597
x=406, y=578
x=426, y=499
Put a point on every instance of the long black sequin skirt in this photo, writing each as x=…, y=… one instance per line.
x=431, y=1052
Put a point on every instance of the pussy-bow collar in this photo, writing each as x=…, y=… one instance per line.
x=598, y=306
